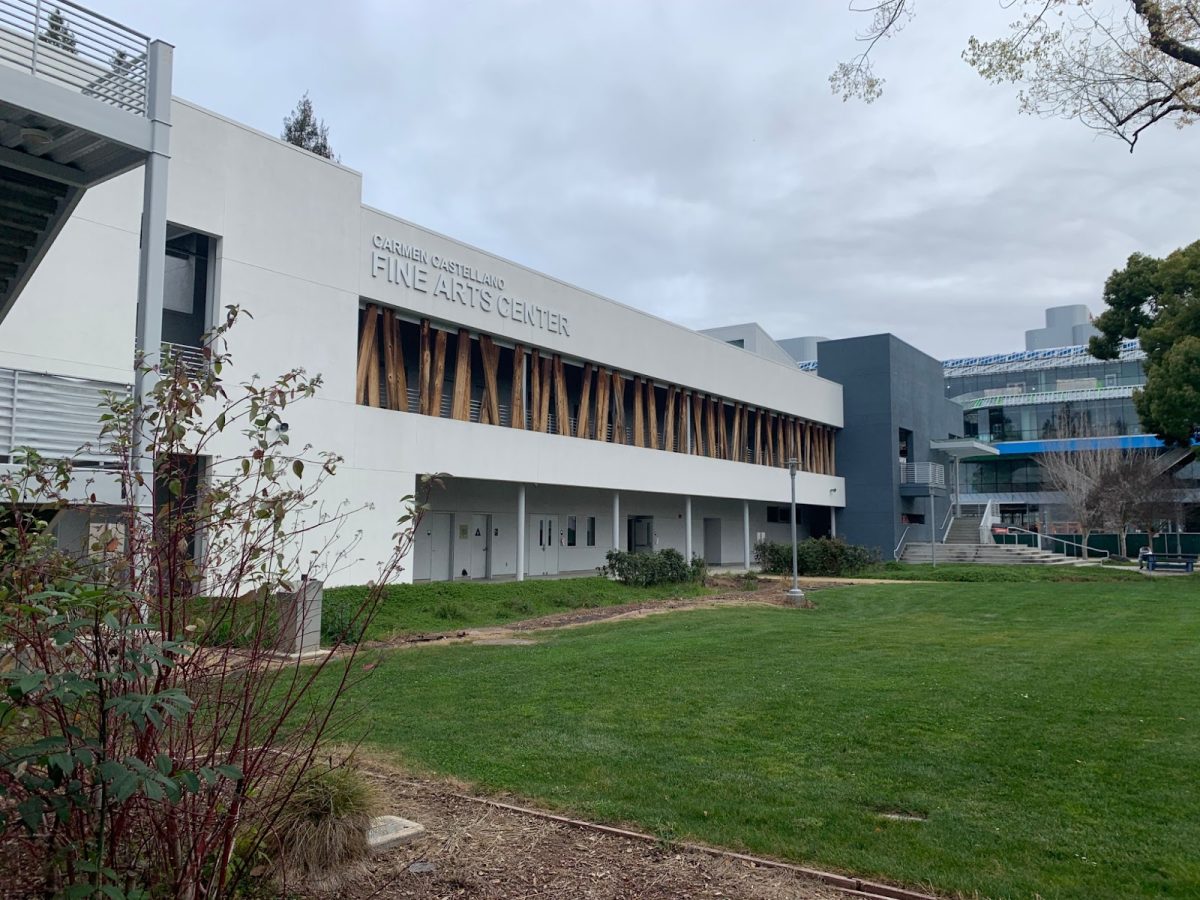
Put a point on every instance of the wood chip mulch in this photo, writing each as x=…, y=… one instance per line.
x=472, y=850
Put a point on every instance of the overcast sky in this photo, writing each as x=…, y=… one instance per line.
x=688, y=158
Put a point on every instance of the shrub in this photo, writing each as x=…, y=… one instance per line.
x=322, y=827
x=814, y=556
x=145, y=732
x=659, y=567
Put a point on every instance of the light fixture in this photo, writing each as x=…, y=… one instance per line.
x=35, y=138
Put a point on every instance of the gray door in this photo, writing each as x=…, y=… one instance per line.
x=434, y=563
x=712, y=541
x=479, y=541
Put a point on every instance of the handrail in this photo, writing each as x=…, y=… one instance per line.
x=1054, y=537
x=899, y=551
x=947, y=523
x=78, y=49
x=986, y=521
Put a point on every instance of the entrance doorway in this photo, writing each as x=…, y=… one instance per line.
x=543, y=545
x=640, y=534
x=712, y=541
x=434, y=563
x=472, y=551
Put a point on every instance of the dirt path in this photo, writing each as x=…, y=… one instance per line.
x=769, y=593
x=472, y=850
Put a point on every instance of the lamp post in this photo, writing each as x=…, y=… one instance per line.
x=795, y=595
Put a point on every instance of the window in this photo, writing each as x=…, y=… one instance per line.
x=186, y=287
x=571, y=531
x=590, y=537
x=781, y=515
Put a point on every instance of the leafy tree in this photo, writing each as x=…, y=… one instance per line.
x=1157, y=301
x=1117, y=67
x=304, y=129
x=58, y=33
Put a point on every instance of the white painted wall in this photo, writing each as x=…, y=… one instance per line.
x=295, y=249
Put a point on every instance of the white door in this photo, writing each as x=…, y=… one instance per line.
x=480, y=542
x=434, y=563
x=543, y=545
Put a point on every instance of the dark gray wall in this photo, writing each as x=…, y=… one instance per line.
x=887, y=385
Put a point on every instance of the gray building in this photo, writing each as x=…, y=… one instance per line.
x=1066, y=326
x=896, y=406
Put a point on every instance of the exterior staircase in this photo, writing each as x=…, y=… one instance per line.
x=984, y=554
x=963, y=546
x=964, y=530
x=32, y=211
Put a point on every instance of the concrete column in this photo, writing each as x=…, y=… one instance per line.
x=833, y=521
x=746, y=532
x=520, y=532
x=152, y=257
x=687, y=528
x=616, y=531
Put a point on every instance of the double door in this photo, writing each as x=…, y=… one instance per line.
x=544, y=540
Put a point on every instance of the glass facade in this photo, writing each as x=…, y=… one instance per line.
x=1016, y=414
x=1002, y=476
x=1038, y=421
x=1096, y=374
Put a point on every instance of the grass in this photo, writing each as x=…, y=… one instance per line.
x=449, y=605
x=1048, y=734
x=897, y=571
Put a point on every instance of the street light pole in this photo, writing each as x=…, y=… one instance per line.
x=795, y=595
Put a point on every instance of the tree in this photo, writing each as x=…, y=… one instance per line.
x=1117, y=70
x=58, y=33
x=150, y=732
x=303, y=129
x=1157, y=301
x=1077, y=474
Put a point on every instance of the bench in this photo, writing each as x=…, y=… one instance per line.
x=1153, y=561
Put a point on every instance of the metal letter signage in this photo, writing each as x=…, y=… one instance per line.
x=416, y=269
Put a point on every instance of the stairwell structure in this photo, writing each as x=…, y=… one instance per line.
x=83, y=99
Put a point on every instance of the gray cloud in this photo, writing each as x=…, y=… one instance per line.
x=687, y=158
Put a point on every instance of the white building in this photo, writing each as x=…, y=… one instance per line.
x=566, y=423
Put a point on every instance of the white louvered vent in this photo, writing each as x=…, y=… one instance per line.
x=56, y=415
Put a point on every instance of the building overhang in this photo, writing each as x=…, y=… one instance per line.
x=961, y=448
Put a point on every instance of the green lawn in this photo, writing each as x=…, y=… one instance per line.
x=897, y=571
x=447, y=605
x=1048, y=732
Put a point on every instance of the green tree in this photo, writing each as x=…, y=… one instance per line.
x=1157, y=301
x=304, y=129
x=1118, y=67
x=58, y=33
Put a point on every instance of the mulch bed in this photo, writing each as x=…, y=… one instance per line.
x=472, y=850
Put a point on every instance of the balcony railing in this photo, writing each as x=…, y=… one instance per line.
x=193, y=359
x=923, y=473
x=76, y=48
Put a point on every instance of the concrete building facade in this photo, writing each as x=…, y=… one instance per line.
x=567, y=424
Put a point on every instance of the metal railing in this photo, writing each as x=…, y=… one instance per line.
x=947, y=523
x=899, y=551
x=1085, y=552
x=193, y=359
x=923, y=473
x=74, y=47
x=987, y=519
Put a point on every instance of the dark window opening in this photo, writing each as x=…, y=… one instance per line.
x=185, y=288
